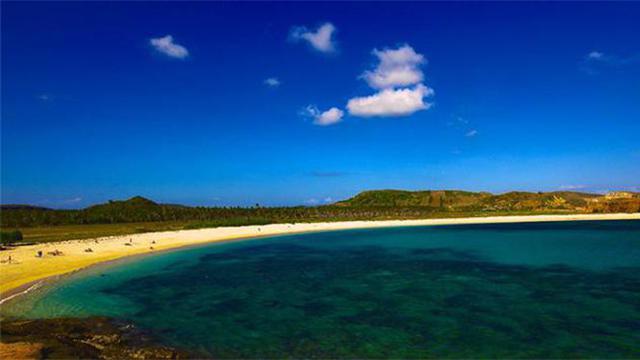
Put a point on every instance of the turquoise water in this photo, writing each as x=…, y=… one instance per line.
x=502, y=290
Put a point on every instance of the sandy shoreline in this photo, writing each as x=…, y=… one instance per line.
x=26, y=269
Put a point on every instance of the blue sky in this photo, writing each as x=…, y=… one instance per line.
x=305, y=103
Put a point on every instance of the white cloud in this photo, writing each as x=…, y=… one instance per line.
x=321, y=40
x=596, y=55
x=396, y=71
x=471, y=133
x=596, y=61
x=396, y=67
x=312, y=202
x=391, y=102
x=166, y=46
x=44, y=97
x=272, y=81
x=572, y=187
x=329, y=117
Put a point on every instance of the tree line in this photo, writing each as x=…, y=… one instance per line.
x=214, y=216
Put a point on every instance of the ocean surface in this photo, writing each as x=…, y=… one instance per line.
x=544, y=290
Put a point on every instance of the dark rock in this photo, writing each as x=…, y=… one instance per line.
x=89, y=338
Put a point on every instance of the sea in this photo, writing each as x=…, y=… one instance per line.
x=521, y=290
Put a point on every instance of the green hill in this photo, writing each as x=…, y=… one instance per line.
x=135, y=209
x=453, y=200
x=136, y=202
x=438, y=199
x=368, y=205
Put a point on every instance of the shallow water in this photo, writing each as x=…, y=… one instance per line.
x=567, y=289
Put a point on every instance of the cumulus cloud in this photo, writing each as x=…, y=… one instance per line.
x=331, y=116
x=399, y=81
x=321, y=39
x=272, y=81
x=396, y=67
x=324, y=118
x=167, y=46
x=391, y=102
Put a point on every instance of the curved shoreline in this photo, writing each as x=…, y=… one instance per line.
x=26, y=288
x=27, y=269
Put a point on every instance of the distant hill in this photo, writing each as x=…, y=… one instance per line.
x=441, y=199
x=568, y=200
x=453, y=200
x=616, y=201
x=135, y=209
x=136, y=202
x=377, y=204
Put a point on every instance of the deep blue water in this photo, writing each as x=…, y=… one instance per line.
x=568, y=289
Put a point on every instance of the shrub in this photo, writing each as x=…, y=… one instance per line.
x=10, y=237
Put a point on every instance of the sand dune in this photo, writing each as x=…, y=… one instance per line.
x=26, y=268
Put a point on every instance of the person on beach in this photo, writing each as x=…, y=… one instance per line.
x=55, y=252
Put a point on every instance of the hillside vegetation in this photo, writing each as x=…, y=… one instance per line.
x=139, y=214
x=452, y=201
x=443, y=200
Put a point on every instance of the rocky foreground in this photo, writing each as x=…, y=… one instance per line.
x=91, y=338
